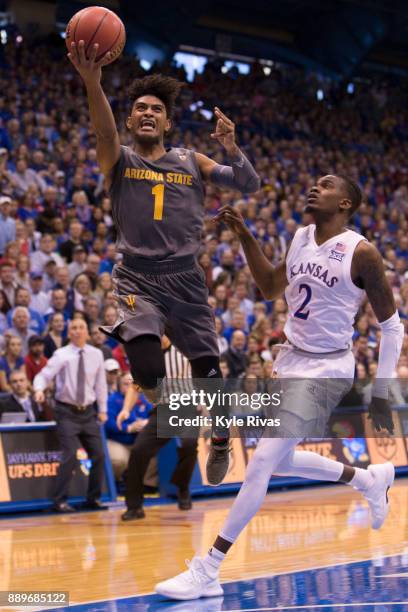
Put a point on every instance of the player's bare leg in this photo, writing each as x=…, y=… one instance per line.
x=201, y=579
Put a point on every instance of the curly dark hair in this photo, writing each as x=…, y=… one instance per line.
x=163, y=87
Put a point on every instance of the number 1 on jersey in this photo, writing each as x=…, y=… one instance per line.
x=158, y=192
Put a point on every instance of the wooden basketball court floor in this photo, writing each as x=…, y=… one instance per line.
x=307, y=549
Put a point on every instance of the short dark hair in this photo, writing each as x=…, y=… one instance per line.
x=33, y=340
x=354, y=192
x=21, y=288
x=163, y=87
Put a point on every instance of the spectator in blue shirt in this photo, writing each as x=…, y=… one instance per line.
x=120, y=440
x=23, y=298
x=7, y=225
x=11, y=360
x=109, y=259
x=402, y=247
x=238, y=321
x=4, y=138
x=59, y=305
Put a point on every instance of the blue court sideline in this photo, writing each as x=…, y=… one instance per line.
x=377, y=585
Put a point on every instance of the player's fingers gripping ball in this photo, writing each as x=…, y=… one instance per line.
x=97, y=25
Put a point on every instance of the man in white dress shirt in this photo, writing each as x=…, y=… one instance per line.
x=80, y=381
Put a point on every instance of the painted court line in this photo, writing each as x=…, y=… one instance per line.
x=313, y=606
x=258, y=577
x=97, y=537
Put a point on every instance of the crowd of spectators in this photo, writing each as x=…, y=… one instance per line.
x=57, y=236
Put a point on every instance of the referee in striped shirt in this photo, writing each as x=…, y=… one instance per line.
x=147, y=444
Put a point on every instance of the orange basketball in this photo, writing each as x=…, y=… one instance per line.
x=96, y=24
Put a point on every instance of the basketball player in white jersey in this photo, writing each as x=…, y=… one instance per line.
x=326, y=272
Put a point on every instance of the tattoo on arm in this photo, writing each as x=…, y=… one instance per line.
x=371, y=277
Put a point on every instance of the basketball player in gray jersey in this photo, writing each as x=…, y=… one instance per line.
x=157, y=203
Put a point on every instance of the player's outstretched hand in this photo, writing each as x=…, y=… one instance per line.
x=89, y=69
x=234, y=220
x=225, y=132
x=379, y=412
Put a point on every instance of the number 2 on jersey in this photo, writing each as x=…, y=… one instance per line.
x=158, y=192
x=300, y=311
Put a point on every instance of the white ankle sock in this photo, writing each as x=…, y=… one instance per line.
x=213, y=560
x=362, y=479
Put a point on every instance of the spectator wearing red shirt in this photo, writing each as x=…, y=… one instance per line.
x=35, y=360
x=119, y=354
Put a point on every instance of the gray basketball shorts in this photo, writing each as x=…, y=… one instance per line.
x=159, y=298
x=310, y=387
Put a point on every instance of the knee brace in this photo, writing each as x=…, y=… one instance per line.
x=146, y=360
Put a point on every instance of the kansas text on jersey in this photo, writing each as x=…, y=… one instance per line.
x=322, y=298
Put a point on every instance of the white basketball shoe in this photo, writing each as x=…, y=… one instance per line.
x=383, y=475
x=194, y=583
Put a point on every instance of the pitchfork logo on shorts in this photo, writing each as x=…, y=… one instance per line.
x=338, y=252
x=131, y=301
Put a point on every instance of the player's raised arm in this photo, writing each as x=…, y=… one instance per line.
x=368, y=270
x=102, y=119
x=270, y=280
x=241, y=175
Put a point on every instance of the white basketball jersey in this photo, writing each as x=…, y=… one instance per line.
x=322, y=299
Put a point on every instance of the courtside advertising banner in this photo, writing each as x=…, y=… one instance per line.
x=29, y=462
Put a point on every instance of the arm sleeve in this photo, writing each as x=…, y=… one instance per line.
x=241, y=176
x=392, y=335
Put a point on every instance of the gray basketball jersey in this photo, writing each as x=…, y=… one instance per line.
x=158, y=206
